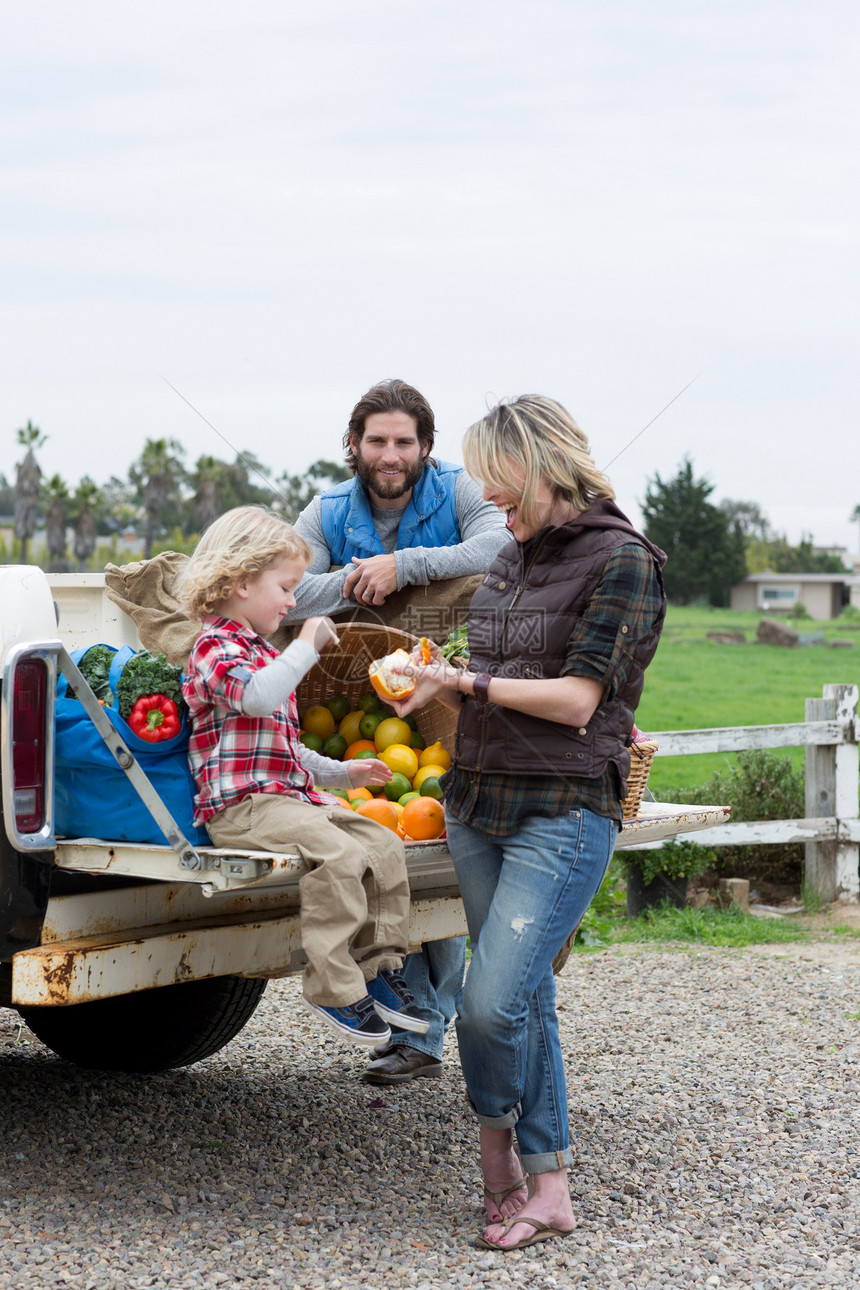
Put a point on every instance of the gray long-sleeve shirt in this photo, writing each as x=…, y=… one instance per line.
x=482, y=532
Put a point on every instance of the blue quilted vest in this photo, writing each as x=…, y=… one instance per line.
x=430, y=518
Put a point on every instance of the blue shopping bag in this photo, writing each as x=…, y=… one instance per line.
x=93, y=798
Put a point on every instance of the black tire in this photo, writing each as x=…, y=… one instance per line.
x=153, y=1030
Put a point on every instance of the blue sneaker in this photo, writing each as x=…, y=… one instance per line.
x=395, y=1002
x=360, y=1023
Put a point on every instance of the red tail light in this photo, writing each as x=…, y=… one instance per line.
x=29, y=744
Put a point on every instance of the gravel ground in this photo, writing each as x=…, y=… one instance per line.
x=714, y=1110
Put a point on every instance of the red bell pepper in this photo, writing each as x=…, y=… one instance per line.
x=154, y=717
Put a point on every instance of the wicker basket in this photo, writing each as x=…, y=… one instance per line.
x=641, y=757
x=342, y=669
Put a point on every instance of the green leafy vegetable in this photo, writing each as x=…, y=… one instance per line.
x=457, y=644
x=95, y=669
x=146, y=674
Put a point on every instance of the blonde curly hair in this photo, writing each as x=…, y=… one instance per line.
x=240, y=543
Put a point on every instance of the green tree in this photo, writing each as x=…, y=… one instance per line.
x=27, y=479
x=778, y=556
x=159, y=476
x=294, y=492
x=854, y=517
x=86, y=502
x=705, y=549
x=220, y=485
x=57, y=497
x=749, y=515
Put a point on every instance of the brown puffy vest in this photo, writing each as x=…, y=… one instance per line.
x=520, y=620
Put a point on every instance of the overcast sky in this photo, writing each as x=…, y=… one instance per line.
x=273, y=205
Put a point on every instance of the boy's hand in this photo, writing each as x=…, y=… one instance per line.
x=319, y=632
x=368, y=770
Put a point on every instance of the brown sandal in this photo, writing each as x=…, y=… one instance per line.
x=542, y=1232
x=498, y=1196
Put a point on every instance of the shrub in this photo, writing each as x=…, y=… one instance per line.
x=762, y=786
x=677, y=858
x=798, y=610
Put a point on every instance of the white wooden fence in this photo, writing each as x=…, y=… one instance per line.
x=831, y=829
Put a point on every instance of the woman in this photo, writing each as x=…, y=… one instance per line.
x=560, y=633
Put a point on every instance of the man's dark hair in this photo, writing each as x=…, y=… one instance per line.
x=390, y=396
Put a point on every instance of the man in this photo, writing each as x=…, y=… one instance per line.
x=404, y=520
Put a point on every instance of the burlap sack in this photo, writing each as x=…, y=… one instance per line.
x=145, y=590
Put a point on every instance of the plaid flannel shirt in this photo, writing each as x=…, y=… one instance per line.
x=230, y=754
x=497, y=804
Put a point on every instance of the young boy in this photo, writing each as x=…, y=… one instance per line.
x=255, y=779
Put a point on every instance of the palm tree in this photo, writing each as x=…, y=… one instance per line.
x=56, y=495
x=159, y=475
x=27, y=486
x=208, y=481
x=87, y=499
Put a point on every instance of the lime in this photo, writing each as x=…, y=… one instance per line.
x=363, y=756
x=408, y=797
x=411, y=722
x=338, y=706
x=339, y=792
x=396, y=787
x=334, y=746
x=417, y=741
x=368, y=723
x=312, y=741
x=430, y=788
x=371, y=702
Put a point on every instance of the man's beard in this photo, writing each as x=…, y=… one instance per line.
x=390, y=489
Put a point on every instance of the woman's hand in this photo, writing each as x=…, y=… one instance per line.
x=368, y=770
x=434, y=680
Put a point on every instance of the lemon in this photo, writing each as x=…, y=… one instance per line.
x=349, y=726
x=391, y=731
x=318, y=721
x=401, y=759
x=435, y=755
x=427, y=772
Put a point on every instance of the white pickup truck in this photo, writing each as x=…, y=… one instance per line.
x=139, y=957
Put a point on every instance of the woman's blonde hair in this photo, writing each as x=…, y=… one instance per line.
x=541, y=437
x=239, y=544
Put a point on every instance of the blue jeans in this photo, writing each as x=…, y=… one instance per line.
x=523, y=896
x=435, y=977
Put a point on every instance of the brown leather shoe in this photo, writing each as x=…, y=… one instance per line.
x=399, y=1063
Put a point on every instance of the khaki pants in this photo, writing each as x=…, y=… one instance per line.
x=354, y=900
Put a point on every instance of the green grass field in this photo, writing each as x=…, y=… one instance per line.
x=694, y=683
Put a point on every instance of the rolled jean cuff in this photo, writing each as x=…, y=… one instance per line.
x=548, y=1162
x=507, y=1121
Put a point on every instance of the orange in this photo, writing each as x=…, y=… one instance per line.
x=380, y=810
x=360, y=745
x=387, y=683
x=358, y=794
x=349, y=726
x=391, y=731
x=427, y=772
x=434, y=755
x=401, y=759
x=341, y=801
x=318, y=721
x=423, y=818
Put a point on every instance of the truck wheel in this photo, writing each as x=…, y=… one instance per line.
x=152, y=1030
